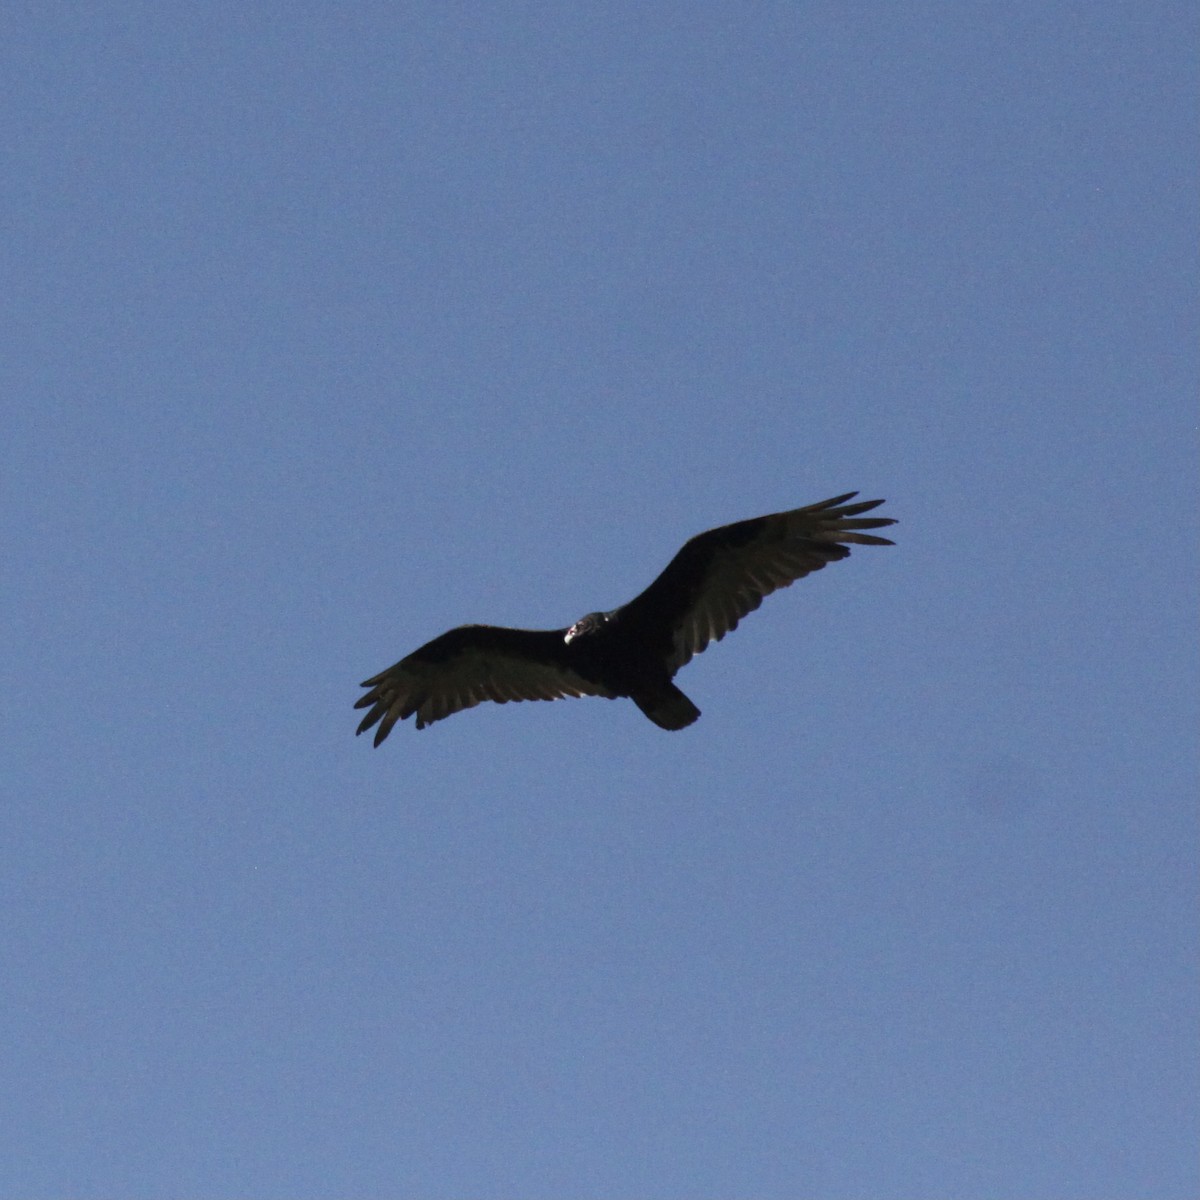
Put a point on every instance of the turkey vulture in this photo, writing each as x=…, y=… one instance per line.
x=635, y=651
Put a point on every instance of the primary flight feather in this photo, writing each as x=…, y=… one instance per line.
x=636, y=650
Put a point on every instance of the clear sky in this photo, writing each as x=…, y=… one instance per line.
x=328, y=327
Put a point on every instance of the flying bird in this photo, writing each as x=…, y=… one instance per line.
x=636, y=650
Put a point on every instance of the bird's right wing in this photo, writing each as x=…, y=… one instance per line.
x=721, y=575
x=468, y=665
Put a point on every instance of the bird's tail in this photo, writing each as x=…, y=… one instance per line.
x=668, y=707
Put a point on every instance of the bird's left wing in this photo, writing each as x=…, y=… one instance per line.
x=720, y=576
x=468, y=665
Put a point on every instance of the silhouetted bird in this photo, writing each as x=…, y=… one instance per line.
x=635, y=651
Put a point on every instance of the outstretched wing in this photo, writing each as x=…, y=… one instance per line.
x=720, y=576
x=468, y=665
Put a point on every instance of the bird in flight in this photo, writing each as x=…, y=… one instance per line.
x=635, y=650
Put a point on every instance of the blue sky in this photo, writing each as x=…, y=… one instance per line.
x=330, y=327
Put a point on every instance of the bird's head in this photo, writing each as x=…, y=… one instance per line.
x=589, y=624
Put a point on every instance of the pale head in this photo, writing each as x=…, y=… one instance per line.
x=589, y=624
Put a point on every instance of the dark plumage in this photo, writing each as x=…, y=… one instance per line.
x=635, y=651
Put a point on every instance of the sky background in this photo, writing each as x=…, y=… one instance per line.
x=328, y=327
